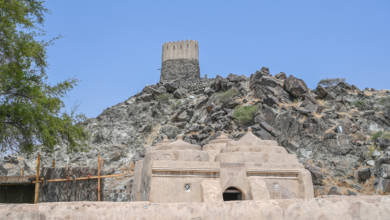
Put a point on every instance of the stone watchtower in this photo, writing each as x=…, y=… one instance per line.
x=180, y=61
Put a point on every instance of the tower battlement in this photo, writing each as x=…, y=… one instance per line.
x=180, y=61
x=180, y=50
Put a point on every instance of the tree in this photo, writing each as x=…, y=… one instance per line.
x=330, y=82
x=31, y=110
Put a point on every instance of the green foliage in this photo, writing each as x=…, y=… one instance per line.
x=175, y=105
x=371, y=150
x=380, y=134
x=226, y=96
x=360, y=104
x=164, y=97
x=245, y=114
x=376, y=135
x=386, y=135
x=30, y=109
x=385, y=101
x=329, y=82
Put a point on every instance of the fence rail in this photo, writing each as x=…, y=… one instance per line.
x=39, y=180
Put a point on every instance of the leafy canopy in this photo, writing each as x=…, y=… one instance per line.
x=330, y=82
x=245, y=114
x=31, y=113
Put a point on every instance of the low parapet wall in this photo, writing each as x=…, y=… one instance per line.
x=335, y=207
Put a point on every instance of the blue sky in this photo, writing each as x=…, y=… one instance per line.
x=114, y=47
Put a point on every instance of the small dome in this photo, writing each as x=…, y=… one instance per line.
x=222, y=138
x=179, y=144
x=249, y=139
x=164, y=141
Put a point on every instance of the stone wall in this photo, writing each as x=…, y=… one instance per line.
x=180, y=69
x=82, y=190
x=334, y=207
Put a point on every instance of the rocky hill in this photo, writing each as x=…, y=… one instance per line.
x=340, y=133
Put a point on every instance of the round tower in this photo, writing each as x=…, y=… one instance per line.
x=180, y=61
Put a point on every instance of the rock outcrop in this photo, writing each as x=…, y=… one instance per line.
x=340, y=133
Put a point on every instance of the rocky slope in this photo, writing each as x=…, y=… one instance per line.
x=339, y=132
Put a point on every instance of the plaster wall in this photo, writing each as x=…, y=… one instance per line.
x=172, y=189
x=234, y=175
x=180, y=50
x=333, y=207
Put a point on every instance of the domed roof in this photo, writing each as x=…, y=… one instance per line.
x=179, y=144
x=222, y=138
x=164, y=141
x=249, y=139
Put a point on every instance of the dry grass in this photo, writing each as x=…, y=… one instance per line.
x=353, y=111
x=344, y=115
x=252, y=101
x=331, y=129
x=360, y=137
x=317, y=115
x=295, y=103
x=321, y=102
x=344, y=184
x=368, y=93
x=368, y=187
x=302, y=119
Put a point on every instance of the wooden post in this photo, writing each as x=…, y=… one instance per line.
x=53, y=163
x=36, y=195
x=98, y=189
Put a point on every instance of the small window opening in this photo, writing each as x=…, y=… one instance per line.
x=187, y=187
x=232, y=194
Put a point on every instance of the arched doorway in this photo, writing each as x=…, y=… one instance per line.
x=231, y=194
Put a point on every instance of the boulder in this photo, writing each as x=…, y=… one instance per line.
x=114, y=156
x=3, y=171
x=334, y=191
x=351, y=193
x=321, y=92
x=382, y=160
x=155, y=91
x=316, y=174
x=271, y=101
x=235, y=78
x=386, y=112
x=220, y=84
x=264, y=71
x=267, y=87
x=269, y=128
x=384, y=171
x=383, y=185
x=281, y=76
x=171, y=86
x=11, y=159
x=309, y=106
x=180, y=93
x=296, y=87
x=182, y=116
x=208, y=91
x=146, y=97
x=170, y=131
x=383, y=142
x=364, y=174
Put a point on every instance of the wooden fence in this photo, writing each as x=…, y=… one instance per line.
x=39, y=180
